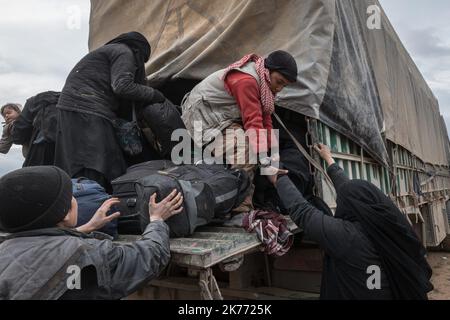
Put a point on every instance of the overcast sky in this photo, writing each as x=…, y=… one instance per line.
x=41, y=40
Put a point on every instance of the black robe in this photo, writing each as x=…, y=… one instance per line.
x=36, y=129
x=351, y=245
x=96, y=92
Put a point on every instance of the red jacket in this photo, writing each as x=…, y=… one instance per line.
x=245, y=90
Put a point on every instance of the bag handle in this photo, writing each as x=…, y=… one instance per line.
x=313, y=162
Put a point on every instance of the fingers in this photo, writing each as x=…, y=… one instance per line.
x=177, y=211
x=113, y=216
x=153, y=199
x=170, y=197
x=178, y=203
x=176, y=199
x=109, y=203
x=282, y=172
x=316, y=147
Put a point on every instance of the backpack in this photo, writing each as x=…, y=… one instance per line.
x=90, y=196
x=209, y=191
x=163, y=119
x=36, y=128
x=38, y=120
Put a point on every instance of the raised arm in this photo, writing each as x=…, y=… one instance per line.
x=335, y=172
x=123, y=70
x=333, y=235
x=134, y=265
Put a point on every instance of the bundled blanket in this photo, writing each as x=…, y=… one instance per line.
x=272, y=230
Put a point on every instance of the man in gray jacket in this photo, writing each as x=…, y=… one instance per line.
x=44, y=258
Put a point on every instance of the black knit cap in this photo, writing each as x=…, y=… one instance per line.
x=284, y=63
x=34, y=198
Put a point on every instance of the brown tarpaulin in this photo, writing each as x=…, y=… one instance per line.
x=361, y=82
x=411, y=111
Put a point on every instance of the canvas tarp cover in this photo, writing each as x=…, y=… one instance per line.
x=358, y=81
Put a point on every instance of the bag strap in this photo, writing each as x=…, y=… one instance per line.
x=313, y=162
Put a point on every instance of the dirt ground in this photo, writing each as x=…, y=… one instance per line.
x=440, y=262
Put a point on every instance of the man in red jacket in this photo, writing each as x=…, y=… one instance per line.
x=240, y=97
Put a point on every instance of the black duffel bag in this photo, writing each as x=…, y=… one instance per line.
x=124, y=189
x=209, y=191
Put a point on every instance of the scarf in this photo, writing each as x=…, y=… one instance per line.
x=141, y=50
x=267, y=97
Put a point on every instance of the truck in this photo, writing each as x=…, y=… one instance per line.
x=358, y=91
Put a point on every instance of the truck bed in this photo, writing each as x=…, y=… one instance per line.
x=211, y=245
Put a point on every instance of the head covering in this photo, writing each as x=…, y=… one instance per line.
x=267, y=96
x=34, y=198
x=284, y=63
x=400, y=250
x=15, y=106
x=141, y=49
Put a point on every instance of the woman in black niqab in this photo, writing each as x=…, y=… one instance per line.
x=400, y=250
x=141, y=50
x=101, y=88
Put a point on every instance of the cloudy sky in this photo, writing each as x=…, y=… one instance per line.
x=43, y=39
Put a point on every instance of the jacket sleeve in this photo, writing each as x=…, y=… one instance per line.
x=123, y=70
x=333, y=235
x=337, y=175
x=134, y=265
x=267, y=123
x=6, y=140
x=245, y=90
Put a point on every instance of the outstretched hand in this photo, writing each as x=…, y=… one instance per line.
x=100, y=218
x=325, y=153
x=274, y=173
x=168, y=207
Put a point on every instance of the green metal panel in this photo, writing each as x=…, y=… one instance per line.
x=345, y=148
x=385, y=178
x=375, y=173
x=333, y=141
x=320, y=132
x=368, y=176
x=355, y=171
x=346, y=168
x=382, y=184
x=324, y=135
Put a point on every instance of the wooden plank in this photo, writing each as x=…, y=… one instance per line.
x=288, y=294
x=250, y=293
